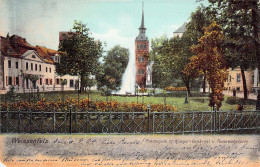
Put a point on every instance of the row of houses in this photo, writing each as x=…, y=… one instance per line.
x=26, y=67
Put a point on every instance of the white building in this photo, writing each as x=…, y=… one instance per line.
x=27, y=67
x=179, y=32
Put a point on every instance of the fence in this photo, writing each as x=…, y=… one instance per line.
x=72, y=121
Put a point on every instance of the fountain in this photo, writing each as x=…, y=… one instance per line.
x=128, y=80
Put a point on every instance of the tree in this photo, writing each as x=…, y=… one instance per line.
x=209, y=57
x=240, y=22
x=80, y=54
x=115, y=63
x=160, y=78
x=172, y=56
x=195, y=30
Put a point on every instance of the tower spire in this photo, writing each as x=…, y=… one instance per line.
x=142, y=23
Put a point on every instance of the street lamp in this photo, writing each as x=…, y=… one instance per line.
x=136, y=91
x=186, y=98
x=148, y=110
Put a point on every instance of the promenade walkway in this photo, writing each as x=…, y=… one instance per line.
x=240, y=94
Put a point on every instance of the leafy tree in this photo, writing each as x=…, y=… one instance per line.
x=174, y=55
x=80, y=54
x=209, y=57
x=195, y=29
x=160, y=78
x=115, y=63
x=240, y=22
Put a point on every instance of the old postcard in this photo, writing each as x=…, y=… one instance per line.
x=129, y=83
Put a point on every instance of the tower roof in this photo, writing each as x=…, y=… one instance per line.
x=142, y=36
x=181, y=29
x=142, y=23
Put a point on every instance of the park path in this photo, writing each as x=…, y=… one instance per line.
x=240, y=94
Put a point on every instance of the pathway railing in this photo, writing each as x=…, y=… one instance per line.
x=147, y=122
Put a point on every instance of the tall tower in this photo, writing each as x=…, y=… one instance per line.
x=141, y=54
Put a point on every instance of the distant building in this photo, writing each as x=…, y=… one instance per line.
x=141, y=55
x=21, y=62
x=234, y=80
x=179, y=32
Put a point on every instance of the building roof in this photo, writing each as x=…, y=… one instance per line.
x=16, y=46
x=181, y=29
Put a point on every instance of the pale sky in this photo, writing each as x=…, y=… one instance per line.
x=111, y=21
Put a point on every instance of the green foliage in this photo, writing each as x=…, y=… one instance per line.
x=80, y=53
x=11, y=95
x=160, y=78
x=236, y=100
x=171, y=56
x=111, y=72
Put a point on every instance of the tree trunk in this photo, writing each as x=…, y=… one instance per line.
x=244, y=82
x=204, y=82
x=81, y=83
x=186, y=81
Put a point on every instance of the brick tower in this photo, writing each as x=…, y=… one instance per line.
x=141, y=54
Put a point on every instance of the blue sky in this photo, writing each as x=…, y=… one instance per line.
x=111, y=21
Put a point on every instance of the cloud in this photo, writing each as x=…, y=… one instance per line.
x=114, y=37
x=167, y=30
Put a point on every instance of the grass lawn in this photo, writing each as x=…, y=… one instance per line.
x=197, y=103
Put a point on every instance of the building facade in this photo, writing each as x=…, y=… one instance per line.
x=235, y=82
x=141, y=55
x=179, y=32
x=26, y=67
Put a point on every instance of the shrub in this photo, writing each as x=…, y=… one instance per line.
x=232, y=100
x=84, y=104
x=175, y=89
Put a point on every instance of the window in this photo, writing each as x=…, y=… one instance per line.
x=46, y=69
x=32, y=66
x=33, y=56
x=71, y=83
x=141, y=46
x=35, y=67
x=253, y=78
x=16, y=65
x=40, y=67
x=144, y=46
x=229, y=78
x=9, y=64
x=139, y=72
x=50, y=70
x=142, y=71
x=46, y=82
x=58, y=81
x=138, y=47
x=9, y=80
x=27, y=83
x=50, y=81
x=238, y=77
x=27, y=66
x=40, y=81
x=140, y=59
x=17, y=81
